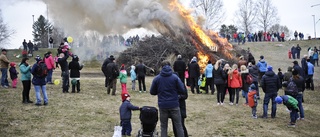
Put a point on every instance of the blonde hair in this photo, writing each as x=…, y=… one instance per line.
x=217, y=64
x=243, y=68
x=234, y=67
x=226, y=66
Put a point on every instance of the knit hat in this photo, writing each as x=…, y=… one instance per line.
x=295, y=72
x=124, y=96
x=38, y=58
x=295, y=62
x=261, y=57
x=253, y=87
x=278, y=100
x=269, y=68
x=12, y=64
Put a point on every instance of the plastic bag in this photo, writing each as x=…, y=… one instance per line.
x=117, y=131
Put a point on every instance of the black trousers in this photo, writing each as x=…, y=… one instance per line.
x=77, y=85
x=209, y=83
x=26, y=85
x=141, y=81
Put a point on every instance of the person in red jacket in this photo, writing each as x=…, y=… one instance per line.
x=50, y=65
x=235, y=83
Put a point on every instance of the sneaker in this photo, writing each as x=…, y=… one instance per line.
x=221, y=103
x=144, y=91
x=263, y=117
x=45, y=103
x=218, y=104
x=254, y=117
x=230, y=103
x=38, y=104
x=291, y=125
x=5, y=86
x=30, y=101
x=301, y=118
x=140, y=91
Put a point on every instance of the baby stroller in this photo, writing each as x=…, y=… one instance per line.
x=149, y=119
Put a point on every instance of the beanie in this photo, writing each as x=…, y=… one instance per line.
x=269, y=68
x=124, y=96
x=12, y=64
x=37, y=58
x=261, y=57
x=278, y=100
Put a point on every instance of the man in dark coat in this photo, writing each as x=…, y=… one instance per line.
x=141, y=74
x=25, y=45
x=304, y=66
x=104, y=69
x=254, y=72
x=194, y=75
x=112, y=75
x=179, y=66
x=30, y=47
x=298, y=68
x=62, y=60
x=270, y=84
x=298, y=50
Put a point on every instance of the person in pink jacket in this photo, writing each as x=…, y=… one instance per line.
x=50, y=65
x=235, y=83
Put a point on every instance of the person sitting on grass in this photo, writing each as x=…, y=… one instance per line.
x=125, y=114
x=292, y=104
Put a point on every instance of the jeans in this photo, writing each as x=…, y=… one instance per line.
x=174, y=114
x=65, y=81
x=254, y=111
x=266, y=100
x=126, y=127
x=133, y=84
x=49, y=76
x=4, y=77
x=309, y=82
x=38, y=95
x=183, y=126
x=299, y=99
x=141, y=80
x=293, y=116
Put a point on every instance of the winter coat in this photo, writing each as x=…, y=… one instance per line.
x=270, y=82
x=167, y=86
x=25, y=72
x=36, y=80
x=194, y=70
x=75, y=68
x=300, y=82
x=254, y=72
x=262, y=65
x=63, y=62
x=245, y=85
x=125, y=110
x=304, y=66
x=13, y=73
x=123, y=76
x=133, y=74
x=234, y=79
x=179, y=66
x=112, y=71
x=104, y=66
x=290, y=102
x=208, y=72
x=315, y=55
x=182, y=103
x=4, y=62
x=141, y=70
x=219, y=76
x=287, y=75
x=300, y=70
x=49, y=62
x=252, y=100
x=310, y=68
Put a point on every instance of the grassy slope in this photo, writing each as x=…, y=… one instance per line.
x=94, y=113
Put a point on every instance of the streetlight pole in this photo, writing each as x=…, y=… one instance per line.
x=314, y=26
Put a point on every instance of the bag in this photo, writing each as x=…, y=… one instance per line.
x=42, y=70
x=117, y=131
x=292, y=88
x=249, y=79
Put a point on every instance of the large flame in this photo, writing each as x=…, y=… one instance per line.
x=203, y=55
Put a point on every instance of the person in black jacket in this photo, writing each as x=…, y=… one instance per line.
x=113, y=73
x=104, y=68
x=270, y=84
x=30, y=47
x=75, y=68
x=254, y=72
x=219, y=79
x=25, y=45
x=62, y=60
x=299, y=81
x=298, y=68
x=194, y=75
x=179, y=66
x=141, y=74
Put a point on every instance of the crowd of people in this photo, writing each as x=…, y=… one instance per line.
x=260, y=36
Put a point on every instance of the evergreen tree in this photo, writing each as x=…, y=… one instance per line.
x=40, y=32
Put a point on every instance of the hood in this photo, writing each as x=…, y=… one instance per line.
x=253, y=67
x=289, y=69
x=262, y=61
x=166, y=71
x=270, y=73
x=209, y=66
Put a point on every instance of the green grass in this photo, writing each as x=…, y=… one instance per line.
x=93, y=112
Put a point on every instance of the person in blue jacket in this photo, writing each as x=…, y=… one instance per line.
x=168, y=87
x=262, y=65
x=125, y=114
x=39, y=83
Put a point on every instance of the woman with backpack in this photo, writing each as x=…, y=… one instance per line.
x=39, y=81
x=235, y=83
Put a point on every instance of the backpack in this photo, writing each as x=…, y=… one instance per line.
x=42, y=70
x=292, y=88
x=249, y=79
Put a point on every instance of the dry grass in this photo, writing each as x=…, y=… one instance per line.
x=94, y=113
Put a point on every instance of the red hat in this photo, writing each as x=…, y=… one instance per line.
x=12, y=64
x=124, y=96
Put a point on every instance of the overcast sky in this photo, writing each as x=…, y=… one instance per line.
x=295, y=14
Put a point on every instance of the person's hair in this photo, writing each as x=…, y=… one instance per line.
x=295, y=77
x=226, y=65
x=140, y=61
x=234, y=67
x=217, y=64
x=23, y=61
x=243, y=68
x=164, y=63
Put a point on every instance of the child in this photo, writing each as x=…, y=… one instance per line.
x=252, y=100
x=125, y=114
x=123, y=79
x=13, y=74
x=133, y=77
x=202, y=83
x=292, y=105
x=75, y=68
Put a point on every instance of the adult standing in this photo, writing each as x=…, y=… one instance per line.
x=309, y=80
x=245, y=86
x=254, y=72
x=50, y=66
x=235, y=83
x=25, y=70
x=51, y=42
x=64, y=66
x=298, y=50
x=299, y=81
x=104, y=68
x=179, y=66
x=270, y=84
x=25, y=45
x=4, y=64
x=141, y=75
x=209, y=78
x=194, y=74
x=219, y=79
x=304, y=66
x=168, y=87
x=262, y=65
x=293, y=52
x=113, y=73
x=251, y=58
x=242, y=61
x=30, y=47
x=39, y=83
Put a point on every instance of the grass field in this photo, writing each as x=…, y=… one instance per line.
x=94, y=113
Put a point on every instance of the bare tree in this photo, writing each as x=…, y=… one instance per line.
x=246, y=15
x=5, y=32
x=212, y=10
x=279, y=28
x=267, y=14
